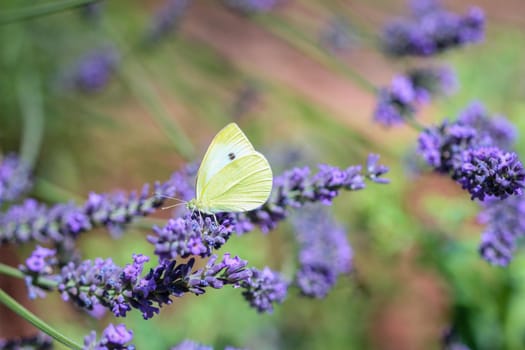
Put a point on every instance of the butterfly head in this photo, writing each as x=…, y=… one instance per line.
x=198, y=205
x=192, y=204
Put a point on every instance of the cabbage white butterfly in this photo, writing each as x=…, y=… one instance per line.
x=233, y=176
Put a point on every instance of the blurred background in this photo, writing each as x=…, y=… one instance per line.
x=118, y=93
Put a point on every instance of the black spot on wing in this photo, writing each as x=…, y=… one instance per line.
x=231, y=156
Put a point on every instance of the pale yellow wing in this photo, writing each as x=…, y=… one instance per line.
x=242, y=185
x=227, y=146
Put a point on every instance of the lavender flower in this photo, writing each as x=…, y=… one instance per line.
x=490, y=171
x=167, y=19
x=264, y=288
x=432, y=30
x=472, y=27
x=439, y=145
x=505, y=224
x=466, y=150
x=501, y=132
x=375, y=171
x=41, y=261
x=200, y=234
x=248, y=7
x=401, y=100
x=40, y=341
x=113, y=338
x=324, y=252
x=232, y=271
x=15, y=178
x=94, y=70
x=471, y=151
x=396, y=103
x=40, y=264
x=101, y=282
x=34, y=221
x=192, y=235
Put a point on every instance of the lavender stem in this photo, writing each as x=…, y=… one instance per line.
x=13, y=272
x=36, y=321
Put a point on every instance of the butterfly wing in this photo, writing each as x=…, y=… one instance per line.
x=227, y=146
x=242, y=185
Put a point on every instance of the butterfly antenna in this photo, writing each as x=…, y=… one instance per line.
x=176, y=199
x=172, y=206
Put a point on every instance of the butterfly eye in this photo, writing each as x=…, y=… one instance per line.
x=231, y=155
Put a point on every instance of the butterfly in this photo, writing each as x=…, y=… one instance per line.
x=233, y=176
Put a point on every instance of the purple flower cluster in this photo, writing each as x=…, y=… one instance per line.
x=34, y=221
x=468, y=150
x=489, y=171
x=40, y=341
x=264, y=288
x=400, y=101
x=113, y=338
x=395, y=103
x=166, y=19
x=101, y=282
x=192, y=236
x=500, y=131
x=324, y=252
x=505, y=224
x=251, y=6
x=473, y=151
x=15, y=178
x=296, y=187
x=42, y=261
x=40, y=264
x=432, y=30
x=199, y=234
x=93, y=71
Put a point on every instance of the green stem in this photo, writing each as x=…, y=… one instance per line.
x=36, y=321
x=13, y=272
x=30, y=12
x=40, y=281
x=31, y=106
